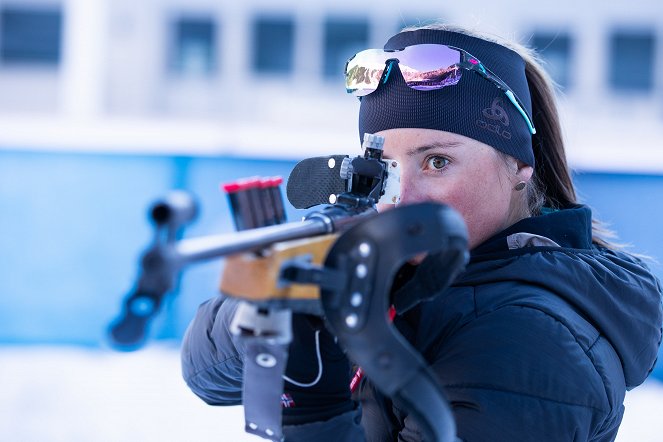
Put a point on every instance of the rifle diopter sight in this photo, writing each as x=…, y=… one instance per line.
x=358, y=182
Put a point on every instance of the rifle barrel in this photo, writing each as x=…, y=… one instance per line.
x=213, y=246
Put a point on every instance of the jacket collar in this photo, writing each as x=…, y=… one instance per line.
x=570, y=227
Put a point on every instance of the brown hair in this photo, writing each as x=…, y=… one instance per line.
x=551, y=184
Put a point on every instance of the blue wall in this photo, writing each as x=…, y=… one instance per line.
x=73, y=227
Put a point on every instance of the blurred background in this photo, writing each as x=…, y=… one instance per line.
x=107, y=105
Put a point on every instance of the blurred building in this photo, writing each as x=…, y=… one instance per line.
x=262, y=77
x=107, y=104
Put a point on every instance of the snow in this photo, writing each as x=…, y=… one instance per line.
x=74, y=394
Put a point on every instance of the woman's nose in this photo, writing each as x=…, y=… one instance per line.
x=409, y=191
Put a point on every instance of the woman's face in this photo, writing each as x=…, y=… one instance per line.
x=466, y=174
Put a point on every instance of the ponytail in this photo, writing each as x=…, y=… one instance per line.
x=552, y=179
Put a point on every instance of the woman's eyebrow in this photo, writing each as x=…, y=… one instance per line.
x=435, y=145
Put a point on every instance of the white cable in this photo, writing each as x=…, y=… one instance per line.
x=317, y=379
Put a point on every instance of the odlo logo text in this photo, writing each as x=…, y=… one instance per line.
x=497, y=114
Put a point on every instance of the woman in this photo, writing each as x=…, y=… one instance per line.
x=548, y=326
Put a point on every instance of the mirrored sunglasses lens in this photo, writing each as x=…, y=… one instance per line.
x=428, y=67
x=364, y=71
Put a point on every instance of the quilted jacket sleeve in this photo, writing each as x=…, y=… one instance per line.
x=211, y=362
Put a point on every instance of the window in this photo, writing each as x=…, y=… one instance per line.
x=632, y=61
x=343, y=38
x=555, y=48
x=30, y=36
x=194, y=47
x=273, y=45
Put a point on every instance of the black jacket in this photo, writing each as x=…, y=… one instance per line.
x=538, y=339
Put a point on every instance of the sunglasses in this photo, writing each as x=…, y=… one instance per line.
x=425, y=67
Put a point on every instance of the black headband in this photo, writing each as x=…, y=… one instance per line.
x=474, y=107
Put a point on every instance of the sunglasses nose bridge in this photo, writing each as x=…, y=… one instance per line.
x=389, y=63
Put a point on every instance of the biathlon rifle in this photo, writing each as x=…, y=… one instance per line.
x=339, y=262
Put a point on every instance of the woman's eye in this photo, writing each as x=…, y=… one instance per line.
x=436, y=163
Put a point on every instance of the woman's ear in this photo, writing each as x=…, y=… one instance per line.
x=524, y=172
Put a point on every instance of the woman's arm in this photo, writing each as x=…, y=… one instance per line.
x=211, y=361
x=319, y=402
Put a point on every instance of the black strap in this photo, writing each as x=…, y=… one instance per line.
x=264, y=367
x=265, y=334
